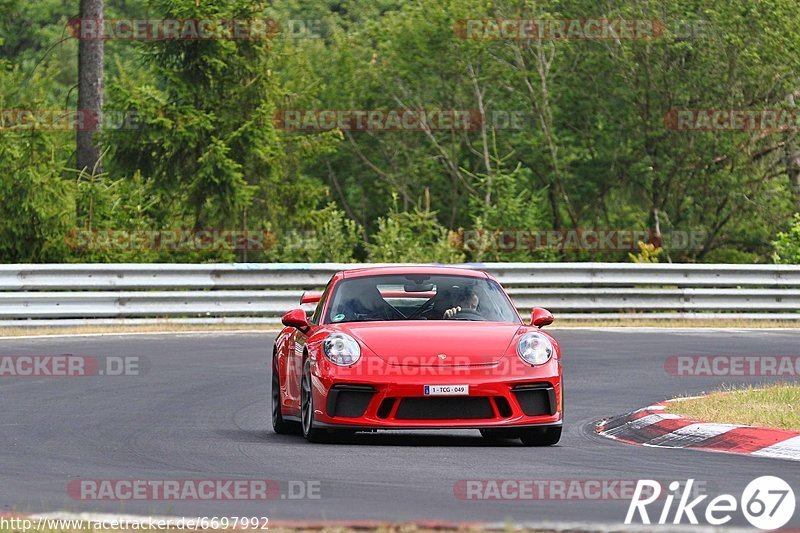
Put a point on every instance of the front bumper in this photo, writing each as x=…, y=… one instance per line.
x=392, y=397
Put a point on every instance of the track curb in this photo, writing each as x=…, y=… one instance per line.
x=651, y=426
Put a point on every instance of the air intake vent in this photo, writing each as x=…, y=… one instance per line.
x=349, y=400
x=444, y=408
x=536, y=399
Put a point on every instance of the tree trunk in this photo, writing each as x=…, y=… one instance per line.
x=90, y=89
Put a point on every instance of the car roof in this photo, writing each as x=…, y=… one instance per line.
x=413, y=269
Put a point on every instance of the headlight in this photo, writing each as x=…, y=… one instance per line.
x=341, y=349
x=534, y=348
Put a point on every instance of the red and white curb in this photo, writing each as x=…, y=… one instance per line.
x=651, y=426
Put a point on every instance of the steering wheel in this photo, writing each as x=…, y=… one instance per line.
x=468, y=314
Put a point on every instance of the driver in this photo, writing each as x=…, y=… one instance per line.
x=466, y=301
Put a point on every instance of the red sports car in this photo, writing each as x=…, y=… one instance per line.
x=416, y=347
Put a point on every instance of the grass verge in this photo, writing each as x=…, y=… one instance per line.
x=773, y=406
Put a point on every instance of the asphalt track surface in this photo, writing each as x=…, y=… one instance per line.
x=202, y=412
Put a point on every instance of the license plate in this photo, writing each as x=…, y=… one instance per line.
x=446, y=390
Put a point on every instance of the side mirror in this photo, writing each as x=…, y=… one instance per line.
x=296, y=318
x=541, y=317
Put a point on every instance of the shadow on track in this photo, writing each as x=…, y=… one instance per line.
x=381, y=438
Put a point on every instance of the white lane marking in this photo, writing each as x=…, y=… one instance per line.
x=682, y=398
x=788, y=449
x=691, y=434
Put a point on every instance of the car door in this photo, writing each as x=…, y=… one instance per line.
x=295, y=346
x=294, y=359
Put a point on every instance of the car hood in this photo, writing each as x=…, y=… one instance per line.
x=435, y=343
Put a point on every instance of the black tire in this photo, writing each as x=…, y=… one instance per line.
x=310, y=431
x=279, y=425
x=540, y=436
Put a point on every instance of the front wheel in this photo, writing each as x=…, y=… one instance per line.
x=310, y=432
x=540, y=436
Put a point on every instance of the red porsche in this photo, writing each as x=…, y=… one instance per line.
x=416, y=347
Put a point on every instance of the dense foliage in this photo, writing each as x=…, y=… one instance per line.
x=572, y=136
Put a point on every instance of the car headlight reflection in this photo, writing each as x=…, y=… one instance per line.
x=341, y=349
x=534, y=348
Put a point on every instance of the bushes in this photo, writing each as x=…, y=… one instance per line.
x=553, y=147
x=413, y=237
x=787, y=246
x=513, y=206
x=331, y=237
x=36, y=204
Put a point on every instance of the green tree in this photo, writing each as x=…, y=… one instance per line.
x=787, y=245
x=413, y=237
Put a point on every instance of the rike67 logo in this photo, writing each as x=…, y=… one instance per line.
x=768, y=502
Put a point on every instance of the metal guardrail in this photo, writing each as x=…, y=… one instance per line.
x=261, y=292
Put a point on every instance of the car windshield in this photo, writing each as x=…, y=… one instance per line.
x=419, y=297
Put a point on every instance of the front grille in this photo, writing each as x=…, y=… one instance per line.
x=536, y=399
x=349, y=400
x=444, y=408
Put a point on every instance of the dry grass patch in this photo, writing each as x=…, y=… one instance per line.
x=773, y=406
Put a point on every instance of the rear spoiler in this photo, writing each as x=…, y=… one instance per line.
x=310, y=297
